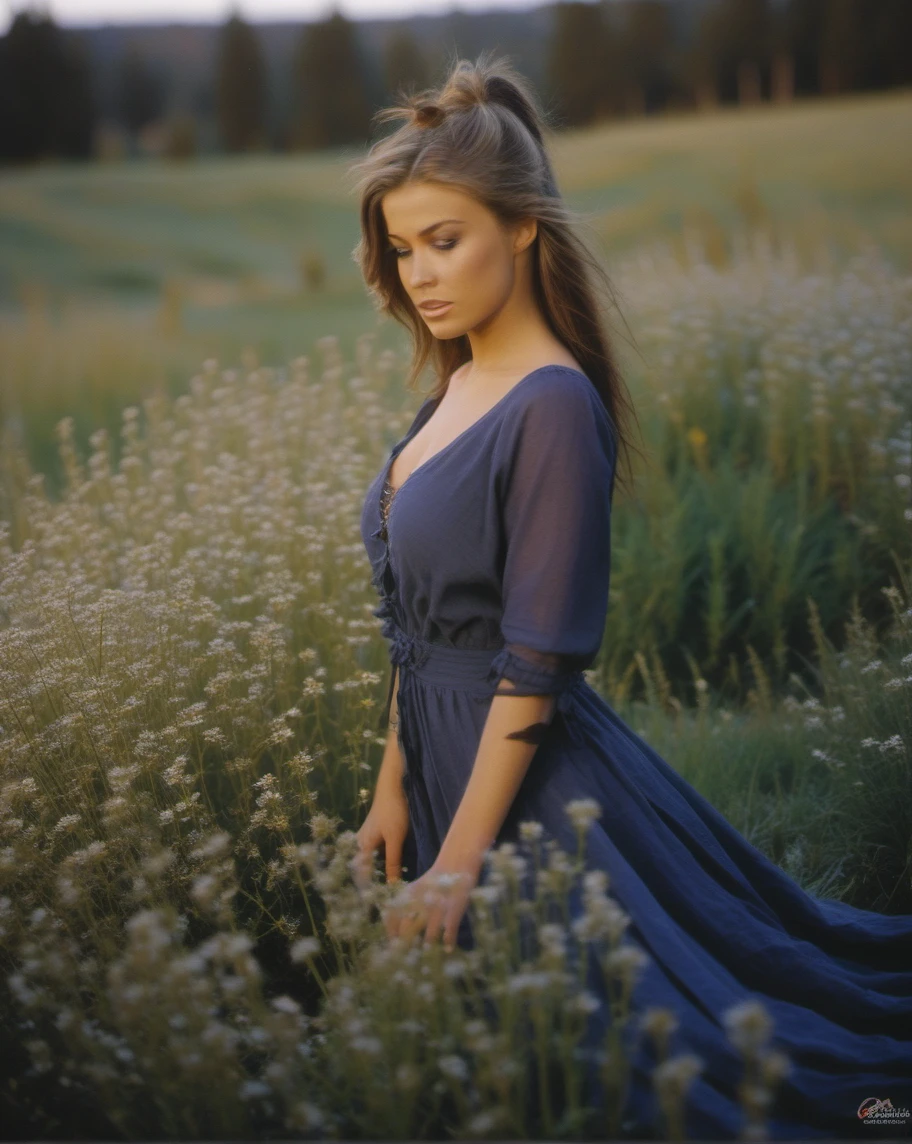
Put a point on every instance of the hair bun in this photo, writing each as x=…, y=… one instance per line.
x=428, y=114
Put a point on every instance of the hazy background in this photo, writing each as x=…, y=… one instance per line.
x=171, y=192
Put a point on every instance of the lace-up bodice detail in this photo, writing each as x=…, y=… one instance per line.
x=386, y=500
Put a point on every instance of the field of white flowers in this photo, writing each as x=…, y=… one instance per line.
x=191, y=680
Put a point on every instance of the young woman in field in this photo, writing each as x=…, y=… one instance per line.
x=488, y=532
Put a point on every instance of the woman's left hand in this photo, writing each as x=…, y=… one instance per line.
x=436, y=901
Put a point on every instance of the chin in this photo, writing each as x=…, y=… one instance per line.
x=445, y=330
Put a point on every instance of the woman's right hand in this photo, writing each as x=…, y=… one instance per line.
x=386, y=825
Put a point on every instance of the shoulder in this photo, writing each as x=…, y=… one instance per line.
x=561, y=404
x=557, y=386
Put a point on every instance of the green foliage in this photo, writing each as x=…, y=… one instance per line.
x=820, y=780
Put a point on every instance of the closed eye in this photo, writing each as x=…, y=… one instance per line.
x=436, y=245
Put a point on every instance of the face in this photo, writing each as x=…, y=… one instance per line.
x=451, y=248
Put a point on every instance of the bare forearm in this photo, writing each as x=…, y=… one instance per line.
x=500, y=766
x=392, y=766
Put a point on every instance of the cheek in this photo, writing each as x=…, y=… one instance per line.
x=487, y=272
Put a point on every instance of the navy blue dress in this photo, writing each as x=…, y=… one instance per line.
x=493, y=563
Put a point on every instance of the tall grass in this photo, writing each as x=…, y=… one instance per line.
x=778, y=419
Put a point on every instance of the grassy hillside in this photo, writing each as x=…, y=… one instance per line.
x=233, y=230
x=116, y=280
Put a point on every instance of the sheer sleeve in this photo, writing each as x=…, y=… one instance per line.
x=557, y=481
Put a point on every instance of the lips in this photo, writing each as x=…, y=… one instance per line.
x=434, y=308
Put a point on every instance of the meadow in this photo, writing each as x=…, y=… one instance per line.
x=191, y=675
x=119, y=279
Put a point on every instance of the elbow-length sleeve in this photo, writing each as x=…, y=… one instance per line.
x=556, y=484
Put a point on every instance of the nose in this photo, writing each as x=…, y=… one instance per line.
x=419, y=276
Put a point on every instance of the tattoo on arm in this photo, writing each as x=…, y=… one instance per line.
x=534, y=733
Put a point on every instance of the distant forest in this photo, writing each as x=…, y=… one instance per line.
x=181, y=90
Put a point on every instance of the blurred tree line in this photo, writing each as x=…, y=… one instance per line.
x=601, y=60
x=47, y=105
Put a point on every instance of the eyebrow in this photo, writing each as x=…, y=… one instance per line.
x=428, y=229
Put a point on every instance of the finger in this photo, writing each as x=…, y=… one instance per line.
x=413, y=922
x=450, y=929
x=432, y=929
x=393, y=861
x=435, y=912
x=408, y=926
x=396, y=911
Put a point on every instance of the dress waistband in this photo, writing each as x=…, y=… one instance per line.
x=437, y=663
x=471, y=667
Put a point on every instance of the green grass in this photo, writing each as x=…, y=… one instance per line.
x=827, y=164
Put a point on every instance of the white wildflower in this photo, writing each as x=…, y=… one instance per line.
x=672, y=1078
x=251, y=1089
x=749, y=1025
x=583, y=812
x=454, y=1067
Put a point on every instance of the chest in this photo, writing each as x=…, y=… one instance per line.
x=442, y=525
x=456, y=414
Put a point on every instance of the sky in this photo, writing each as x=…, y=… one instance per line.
x=80, y=13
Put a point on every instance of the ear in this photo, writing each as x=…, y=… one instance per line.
x=524, y=234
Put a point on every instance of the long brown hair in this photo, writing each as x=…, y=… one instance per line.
x=482, y=132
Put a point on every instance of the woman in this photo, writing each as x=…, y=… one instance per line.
x=488, y=531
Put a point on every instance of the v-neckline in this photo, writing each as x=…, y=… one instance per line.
x=394, y=492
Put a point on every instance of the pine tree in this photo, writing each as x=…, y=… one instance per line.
x=47, y=105
x=240, y=87
x=579, y=70
x=646, y=38
x=330, y=99
x=732, y=52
